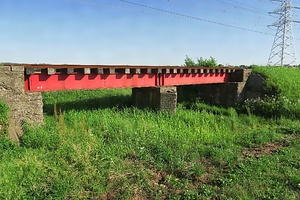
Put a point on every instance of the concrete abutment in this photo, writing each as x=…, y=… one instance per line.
x=243, y=85
x=24, y=106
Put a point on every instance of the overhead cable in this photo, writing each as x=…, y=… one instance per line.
x=176, y=14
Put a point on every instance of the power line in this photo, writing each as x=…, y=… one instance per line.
x=92, y=3
x=165, y=13
x=223, y=9
x=176, y=14
x=253, y=7
x=243, y=8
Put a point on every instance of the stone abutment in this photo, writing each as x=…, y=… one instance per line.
x=25, y=107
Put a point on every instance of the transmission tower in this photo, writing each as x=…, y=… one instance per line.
x=283, y=50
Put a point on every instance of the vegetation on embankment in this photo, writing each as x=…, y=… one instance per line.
x=3, y=118
x=95, y=145
x=284, y=84
x=5, y=143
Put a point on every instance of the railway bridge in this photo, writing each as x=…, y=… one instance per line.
x=152, y=86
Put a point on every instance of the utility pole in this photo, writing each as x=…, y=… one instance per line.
x=283, y=49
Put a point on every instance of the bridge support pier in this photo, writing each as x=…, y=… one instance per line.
x=24, y=106
x=160, y=98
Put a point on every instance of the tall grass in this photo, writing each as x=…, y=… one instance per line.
x=3, y=118
x=95, y=145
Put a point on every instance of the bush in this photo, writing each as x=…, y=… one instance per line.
x=189, y=62
x=273, y=107
x=211, y=62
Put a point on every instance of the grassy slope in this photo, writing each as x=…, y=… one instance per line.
x=285, y=82
x=95, y=146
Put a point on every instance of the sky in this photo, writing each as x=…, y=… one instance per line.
x=138, y=32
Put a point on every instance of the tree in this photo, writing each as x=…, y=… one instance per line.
x=211, y=62
x=189, y=62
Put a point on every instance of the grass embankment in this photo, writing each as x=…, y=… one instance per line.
x=5, y=144
x=94, y=145
x=284, y=82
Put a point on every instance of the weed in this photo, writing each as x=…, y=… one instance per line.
x=94, y=145
x=3, y=118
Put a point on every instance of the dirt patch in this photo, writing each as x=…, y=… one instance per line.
x=159, y=178
x=15, y=130
x=208, y=171
x=257, y=152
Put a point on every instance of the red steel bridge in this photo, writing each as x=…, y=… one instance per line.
x=40, y=77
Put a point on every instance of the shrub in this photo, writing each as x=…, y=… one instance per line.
x=189, y=62
x=211, y=62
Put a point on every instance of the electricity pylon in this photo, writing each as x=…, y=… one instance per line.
x=283, y=50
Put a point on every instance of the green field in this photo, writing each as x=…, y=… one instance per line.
x=95, y=145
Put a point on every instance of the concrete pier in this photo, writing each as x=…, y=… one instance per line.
x=161, y=98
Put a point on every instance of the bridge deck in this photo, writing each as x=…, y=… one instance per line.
x=76, y=77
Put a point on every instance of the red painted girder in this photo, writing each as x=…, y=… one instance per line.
x=60, y=81
x=44, y=82
x=193, y=79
